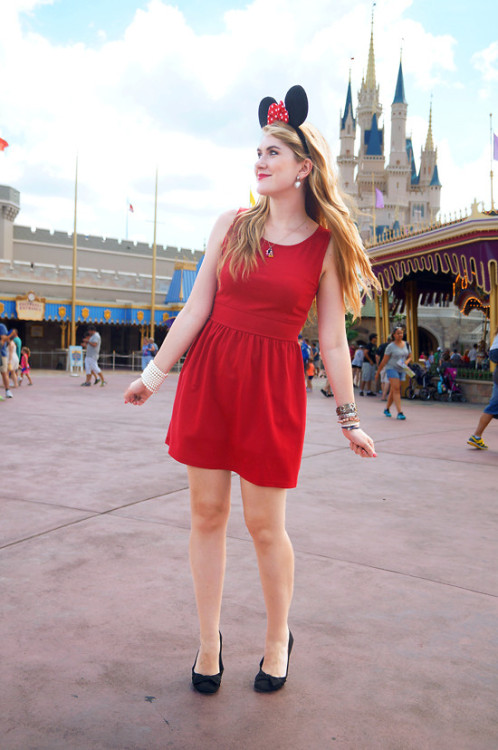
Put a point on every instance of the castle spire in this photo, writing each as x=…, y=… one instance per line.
x=399, y=94
x=349, y=106
x=429, y=143
x=370, y=79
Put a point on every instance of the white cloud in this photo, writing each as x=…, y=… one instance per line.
x=166, y=96
x=486, y=62
x=463, y=182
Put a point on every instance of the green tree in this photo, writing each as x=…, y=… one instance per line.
x=351, y=333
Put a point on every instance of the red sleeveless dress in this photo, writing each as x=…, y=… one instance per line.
x=241, y=402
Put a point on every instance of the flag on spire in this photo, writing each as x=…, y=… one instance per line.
x=4, y=144
x=379, y=198
x=131, y=209
x=495, y=147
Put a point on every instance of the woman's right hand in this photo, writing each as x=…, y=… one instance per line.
x=137, y=393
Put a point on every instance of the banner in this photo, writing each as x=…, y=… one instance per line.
x=30, y=307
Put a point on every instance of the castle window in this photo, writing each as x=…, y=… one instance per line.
x=397, y=162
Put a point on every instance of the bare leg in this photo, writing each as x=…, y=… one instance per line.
x=210, y=509
x=264, y=513
x=484, y=420
x=395, y=394
x=385, y=390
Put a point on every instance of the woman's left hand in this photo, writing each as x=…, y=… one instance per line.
x=360, y=443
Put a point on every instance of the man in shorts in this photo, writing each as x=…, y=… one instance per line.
x=369, y=367
x=91, y=343
x=490, y=411
x=4, y=364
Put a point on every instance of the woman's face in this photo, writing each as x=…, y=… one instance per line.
x=276, y=168
x=398, y=334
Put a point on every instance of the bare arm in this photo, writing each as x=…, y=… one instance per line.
x=335, y=350
x=385, y=360
x=195, y=313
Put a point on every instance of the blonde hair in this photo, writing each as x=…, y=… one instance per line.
x=323, y=203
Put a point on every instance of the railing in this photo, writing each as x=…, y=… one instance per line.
x=57, y=360
x=421, y=227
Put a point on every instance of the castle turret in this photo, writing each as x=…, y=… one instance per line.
x=347, y=160
x=398, y=171
x=9, y=208
x=428, y=157
x=368, y=96
x=429, y=182
x=371, y=173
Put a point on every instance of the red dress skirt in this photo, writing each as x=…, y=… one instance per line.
x=240, y=404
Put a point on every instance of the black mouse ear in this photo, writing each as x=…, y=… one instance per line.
x=264, y=106
x=296, y=104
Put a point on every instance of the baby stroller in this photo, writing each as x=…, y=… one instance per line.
x=421, y=384
x=447, y=387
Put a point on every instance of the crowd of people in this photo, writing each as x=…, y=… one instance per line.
x=15, y=361
x=381, y=370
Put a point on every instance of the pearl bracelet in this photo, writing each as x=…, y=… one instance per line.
x=152, y=377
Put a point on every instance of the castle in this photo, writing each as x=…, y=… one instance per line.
x=393, y=196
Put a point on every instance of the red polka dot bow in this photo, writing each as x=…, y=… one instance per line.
x=277, y=112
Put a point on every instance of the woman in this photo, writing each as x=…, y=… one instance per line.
x=13, y=364
x=396, y=355
x=261, y=271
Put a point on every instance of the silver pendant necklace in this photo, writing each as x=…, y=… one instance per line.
x=269, y=250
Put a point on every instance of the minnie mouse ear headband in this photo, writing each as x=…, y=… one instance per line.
x=293, y=112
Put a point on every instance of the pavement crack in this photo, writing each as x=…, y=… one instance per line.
x=393, y=571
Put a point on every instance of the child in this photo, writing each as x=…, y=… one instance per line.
x=310, y=372
x=25, y=368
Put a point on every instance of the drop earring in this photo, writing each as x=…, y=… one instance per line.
x=297, y=183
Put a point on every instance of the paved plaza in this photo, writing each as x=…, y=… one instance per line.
x=395, y=610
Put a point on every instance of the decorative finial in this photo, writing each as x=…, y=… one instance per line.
x=370, y=77
x=429, y=143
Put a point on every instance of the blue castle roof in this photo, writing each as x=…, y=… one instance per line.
x=411, y=159
x=435, y=178
x=374, y=139
x=181, y=284
x=399, y=94
x=348, y=108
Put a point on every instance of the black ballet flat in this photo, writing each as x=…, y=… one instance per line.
x=266, y=683
x=207, y=684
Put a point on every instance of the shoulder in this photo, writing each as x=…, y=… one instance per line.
x=225, y=221
x=329, y=259
x=221, y=227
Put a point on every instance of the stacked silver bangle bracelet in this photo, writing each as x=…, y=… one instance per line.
x=348, y=418
x=152, y=377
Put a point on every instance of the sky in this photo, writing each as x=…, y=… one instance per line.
x=129, y=87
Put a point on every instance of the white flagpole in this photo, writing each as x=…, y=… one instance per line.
x=491, y=158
